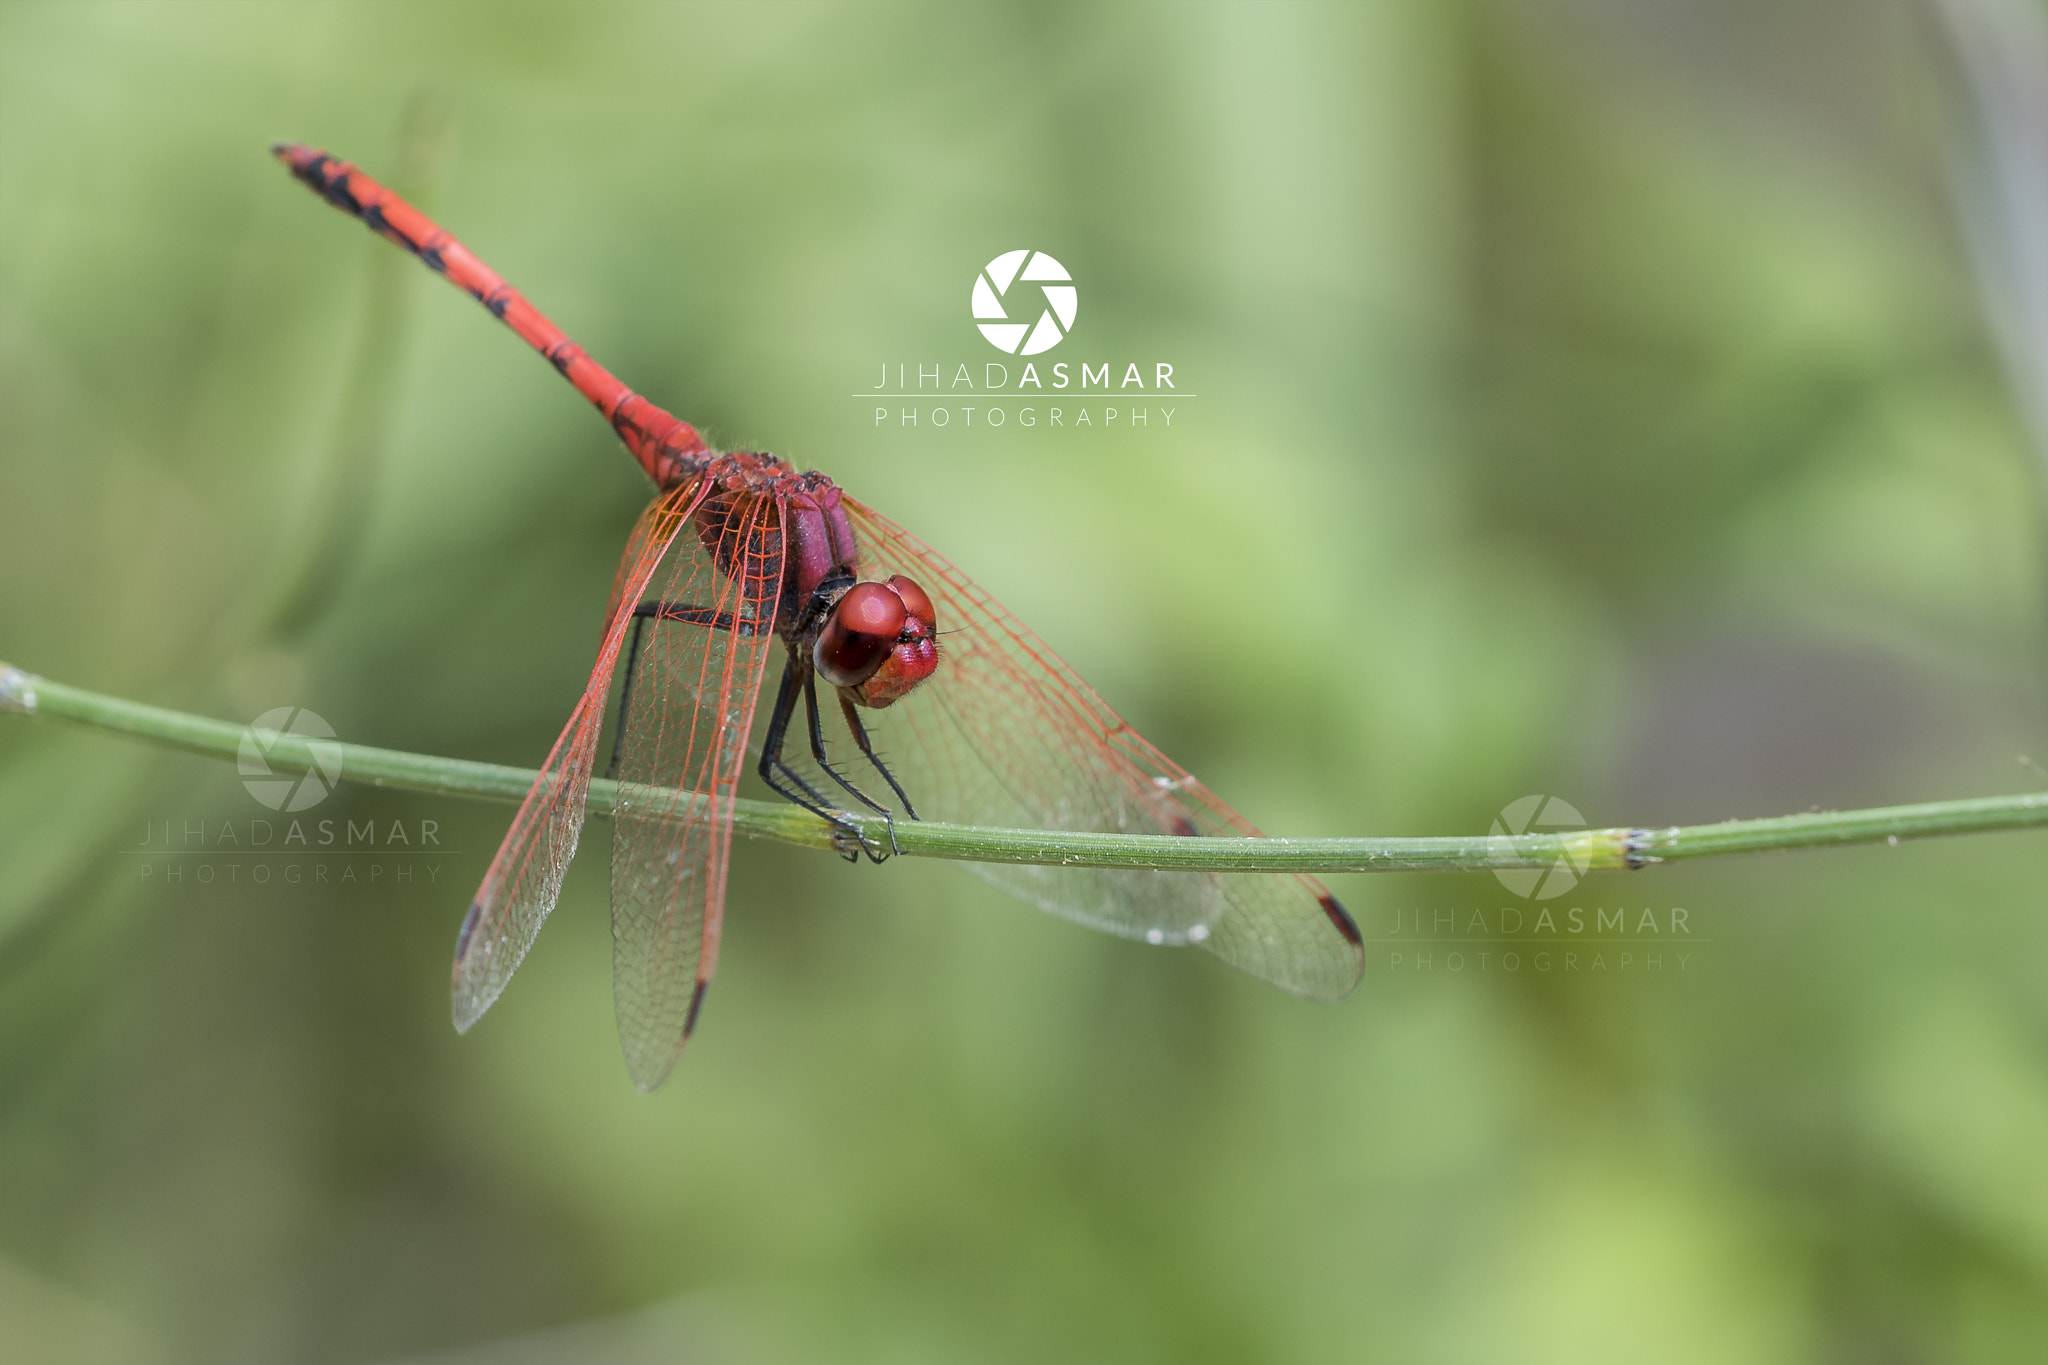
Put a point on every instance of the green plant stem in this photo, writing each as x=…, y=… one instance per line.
x=1622, y=847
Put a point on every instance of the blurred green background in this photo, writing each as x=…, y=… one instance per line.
x=1595, y=399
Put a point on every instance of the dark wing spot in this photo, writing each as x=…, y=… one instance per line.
x=476, y=910
x=696, y=1004
x=1341, y=917
x=1184, y=827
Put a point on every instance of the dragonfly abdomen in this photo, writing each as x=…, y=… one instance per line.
x=668, y=448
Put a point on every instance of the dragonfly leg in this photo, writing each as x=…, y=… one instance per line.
x=611, y=769
x=790, y=785
x=642, y=614
x=695, y=616
x=860, y=737
x=825, y=762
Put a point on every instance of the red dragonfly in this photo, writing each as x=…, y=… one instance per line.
x=981, y=724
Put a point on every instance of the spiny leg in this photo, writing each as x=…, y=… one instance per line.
x=860, y=737
x=781, y=778
x=825, y=763
x=773, y=769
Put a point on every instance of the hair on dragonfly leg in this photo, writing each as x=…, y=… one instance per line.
x=790, y=785
x=774, y=770
x=823, y=759
x=860, y=737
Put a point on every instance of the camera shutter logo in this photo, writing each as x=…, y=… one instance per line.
x=288, y=791
x=1055, y=295
x=1541, y=815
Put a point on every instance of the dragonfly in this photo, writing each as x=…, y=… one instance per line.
x=906, y=691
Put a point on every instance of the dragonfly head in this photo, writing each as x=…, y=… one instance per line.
x=879, y=643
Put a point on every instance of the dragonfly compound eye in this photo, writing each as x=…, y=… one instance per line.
x=859, y=636
x=915, y=655
x=915, y=602
x=880, y=642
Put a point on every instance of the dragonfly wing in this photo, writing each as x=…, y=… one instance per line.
x=525, y=878
x=696, y=680
x=1006, y=734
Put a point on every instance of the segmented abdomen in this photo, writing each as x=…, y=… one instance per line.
x=668, y=448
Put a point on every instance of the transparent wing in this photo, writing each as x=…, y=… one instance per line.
x=525, y=878
x=696, y=678
x=1006, y=734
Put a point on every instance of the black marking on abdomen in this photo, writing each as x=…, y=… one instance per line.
x=373, y=214
x=498, y=303
x=334, y=187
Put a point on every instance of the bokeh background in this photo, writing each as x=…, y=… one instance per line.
x=1615, y=400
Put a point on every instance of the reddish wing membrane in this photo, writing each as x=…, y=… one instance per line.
x=1006, y=734
x=526, y=877
x=695, y=683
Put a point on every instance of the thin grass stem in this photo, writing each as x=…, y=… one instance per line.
x=1584, y=850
